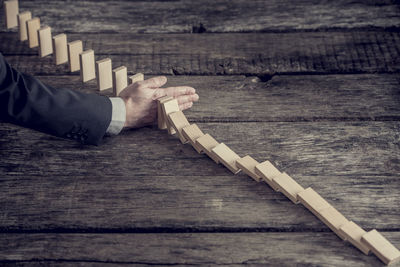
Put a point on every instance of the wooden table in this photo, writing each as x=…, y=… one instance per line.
x=313, y=87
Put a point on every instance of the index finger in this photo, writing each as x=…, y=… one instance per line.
x=154, y=82
x=179, y=90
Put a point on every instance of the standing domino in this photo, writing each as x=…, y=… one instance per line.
x=138, y=77
x=104, y=74
x=44, y=37
x=86, y=61
x=32, y=26
x=10, y=13
x=120, y=79
x=22, y=19
x=60, y=49
x=74, y=49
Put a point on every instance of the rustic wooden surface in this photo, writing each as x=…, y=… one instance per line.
x=312, y=86
x=181, y=249
x=227, y=53
x=215, y=16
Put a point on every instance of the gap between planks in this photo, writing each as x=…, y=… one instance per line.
x=347, y=230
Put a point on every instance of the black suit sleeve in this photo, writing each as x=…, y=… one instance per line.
x=26, y=101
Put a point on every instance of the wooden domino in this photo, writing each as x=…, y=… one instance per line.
x=353, y=233
x=248, y=165
x=206, y=143
x=22, y=19
x=32, y=26
x=11, y=10
x=104, y=74
x=312, y=201
x=161, y=119
x=168, y=107
x=381, y=247
x=267, y=172
x=178, y=120
x=288, y=186
x=60, y=50
x=45, y=44
x=86, y=61
x=74, y=49
x=227, y=156
x=333, y=219
x=120, y=79
x=192, y=133
x=138, y=77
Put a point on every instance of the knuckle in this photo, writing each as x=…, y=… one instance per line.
x=140, y=86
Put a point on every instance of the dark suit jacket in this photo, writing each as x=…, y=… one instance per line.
x=26, y=101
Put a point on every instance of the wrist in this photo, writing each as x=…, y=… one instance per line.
x=130, y=120
x=127, y=108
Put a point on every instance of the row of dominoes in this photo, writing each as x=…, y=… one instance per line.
x=67, y=52
x=171, y=118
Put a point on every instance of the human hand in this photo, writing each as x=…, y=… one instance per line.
x=140, y=100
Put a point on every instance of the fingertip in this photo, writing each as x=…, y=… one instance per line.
x=189, y=105
x=161, y=80
x=186, y=106
x=191, y=90
x=195, y=97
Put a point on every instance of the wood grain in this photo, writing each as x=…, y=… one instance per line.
x=217, y=203
x=300, y=249
x=284, y=98
x=212, y=16
x=228, y=54
x=302, y=148
x=142, y=198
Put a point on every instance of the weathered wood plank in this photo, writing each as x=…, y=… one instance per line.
x=126, y=185
x=134, y=203
x=214, y=16
x=360, y=97
x=302, y=148
x=245, y=53
x=277, y=249
x=226, y=44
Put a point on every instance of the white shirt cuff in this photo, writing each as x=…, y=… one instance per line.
x=118, y=116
